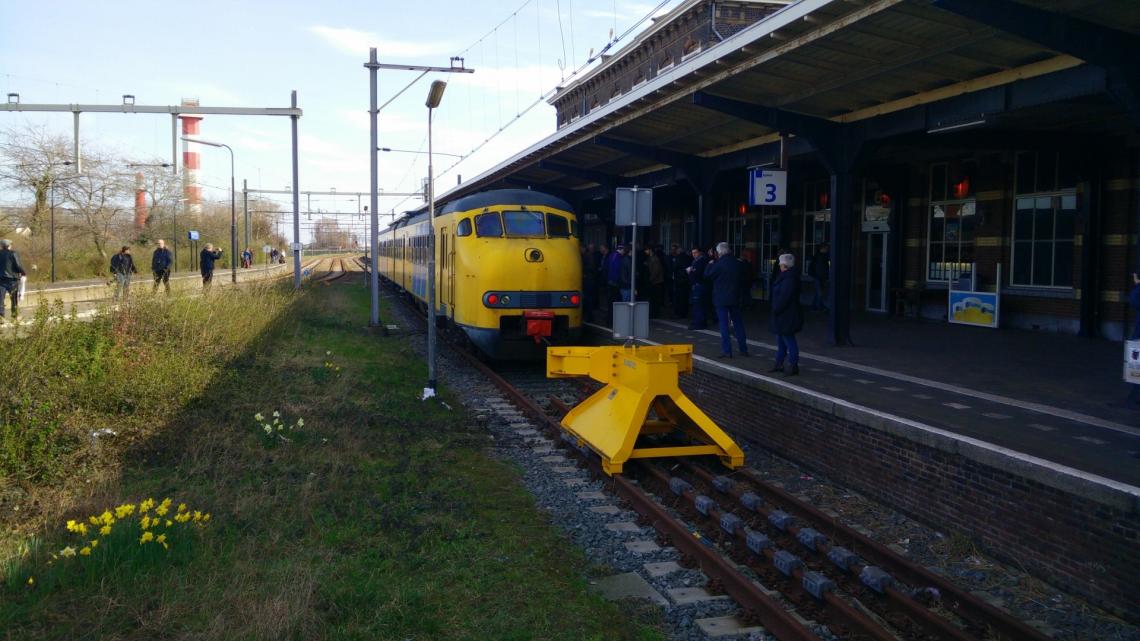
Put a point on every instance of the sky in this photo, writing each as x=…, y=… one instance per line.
x=242, y=53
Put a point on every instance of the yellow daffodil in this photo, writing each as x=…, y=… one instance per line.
x=145, y=522
x=197, y=516
x=146, y=505
x=181, y=507
x=94, y=543
x=205, y=517
x=67, y=551
x=94, y=520
x=107, y=518
x=85, y=551
x=146, y=536
x=162, y=510
x=71, y=525
x=168, y=523
x=31, y=580
x=105, y=530
x=161, y=538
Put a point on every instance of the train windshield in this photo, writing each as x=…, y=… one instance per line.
x=488, y=225
x=557, y=226
x=524, y=224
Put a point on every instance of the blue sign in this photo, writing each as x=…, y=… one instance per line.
x=973, y=308
x=767, y=187
x=193, y=235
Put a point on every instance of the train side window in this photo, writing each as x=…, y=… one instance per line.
x=463, y=228
x=557, y=226
x=524, y=224
x=574, y=229
x=488, y=225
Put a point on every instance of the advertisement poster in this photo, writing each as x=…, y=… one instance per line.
x=1132, y=362
x=974, y=308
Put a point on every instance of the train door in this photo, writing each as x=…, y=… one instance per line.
x=443, y=286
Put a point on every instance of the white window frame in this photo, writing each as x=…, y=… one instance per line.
x=1013, y=242
x=694, y=52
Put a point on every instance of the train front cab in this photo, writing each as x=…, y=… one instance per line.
x=512, y=278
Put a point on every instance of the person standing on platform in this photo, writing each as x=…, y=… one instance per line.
x=820, y=273
x=786, y=318
x=10, y=272
x=656, y=281
x=613, y=275
x=680, y=265
x=122, y=267
x=626, y=286
x=697, y=290
x=247, y=258
x=726, y=276
x=206, y=260
x=160, y=264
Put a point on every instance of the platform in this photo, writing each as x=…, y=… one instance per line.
x=1054, y=397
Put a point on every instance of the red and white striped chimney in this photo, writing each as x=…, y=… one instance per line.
x=140, y=201
x=191, y=161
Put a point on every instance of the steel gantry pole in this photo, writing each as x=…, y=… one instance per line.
x=374, y=66
x=296, y=205
x=374, y=216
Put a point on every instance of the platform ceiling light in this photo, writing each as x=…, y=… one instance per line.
x=13, y=98
x=958, y=126
x=128, y=99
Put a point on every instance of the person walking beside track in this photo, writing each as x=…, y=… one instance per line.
x=160, y=264
x=726, y=276
x=10, y=272
x=786, y=318
x=122, y=268
x=207, y=258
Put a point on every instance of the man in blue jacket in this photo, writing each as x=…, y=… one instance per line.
x=10, y=272
x=160, y=264
x=726, y=275
x=206, y=260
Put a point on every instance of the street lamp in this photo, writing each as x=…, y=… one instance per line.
x=233, y=204
x=435, y=94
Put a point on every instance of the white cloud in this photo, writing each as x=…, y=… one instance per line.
x=356, y=42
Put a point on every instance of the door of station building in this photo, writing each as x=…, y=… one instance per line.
x=877, y=271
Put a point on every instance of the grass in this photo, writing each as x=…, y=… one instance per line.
x=381, y=518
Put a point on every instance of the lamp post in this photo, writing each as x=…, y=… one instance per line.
x=233, y=204
x=435, y=94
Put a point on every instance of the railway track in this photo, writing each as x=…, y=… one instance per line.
x=800, y=573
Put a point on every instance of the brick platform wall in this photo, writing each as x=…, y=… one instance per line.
x=1054, y=530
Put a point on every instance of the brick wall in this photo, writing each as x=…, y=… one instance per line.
x=1023, y=514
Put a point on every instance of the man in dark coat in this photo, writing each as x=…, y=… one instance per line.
x=160, y=264
x=206, y=261
x=726, y=276
x=698, y=289
x=820, y=273
x=681, y=263
x=10, y=272
x=787, y=318
x=122, y=268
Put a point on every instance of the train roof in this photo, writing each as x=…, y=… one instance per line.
x=485, y=199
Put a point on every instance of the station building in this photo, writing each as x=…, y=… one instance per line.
x=984, y=146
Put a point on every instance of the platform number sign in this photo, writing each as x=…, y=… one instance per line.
x=767, y=187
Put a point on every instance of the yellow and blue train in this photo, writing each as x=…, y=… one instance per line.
x=508, y=267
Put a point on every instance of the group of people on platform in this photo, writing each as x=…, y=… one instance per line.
x=162, y=260
x=697, y=284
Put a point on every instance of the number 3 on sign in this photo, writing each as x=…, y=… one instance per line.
x=767, y=187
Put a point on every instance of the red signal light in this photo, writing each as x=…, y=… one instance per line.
x=575, y=299
x=493, y=299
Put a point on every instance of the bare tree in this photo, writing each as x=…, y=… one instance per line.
x=32, y=160
x=99, y=201
x=327, y=233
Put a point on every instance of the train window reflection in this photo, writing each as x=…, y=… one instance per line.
x=557, y=226
x=488, y=225
x=524, y=224
x=463, y=228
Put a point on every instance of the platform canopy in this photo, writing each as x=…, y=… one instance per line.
x=883, y=69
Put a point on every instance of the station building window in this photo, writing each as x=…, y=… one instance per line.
x=1044, y=221
x=953, y=221
x=817, y=218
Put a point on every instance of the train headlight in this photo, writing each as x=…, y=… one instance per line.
x=564, y=299
x=506, y=299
